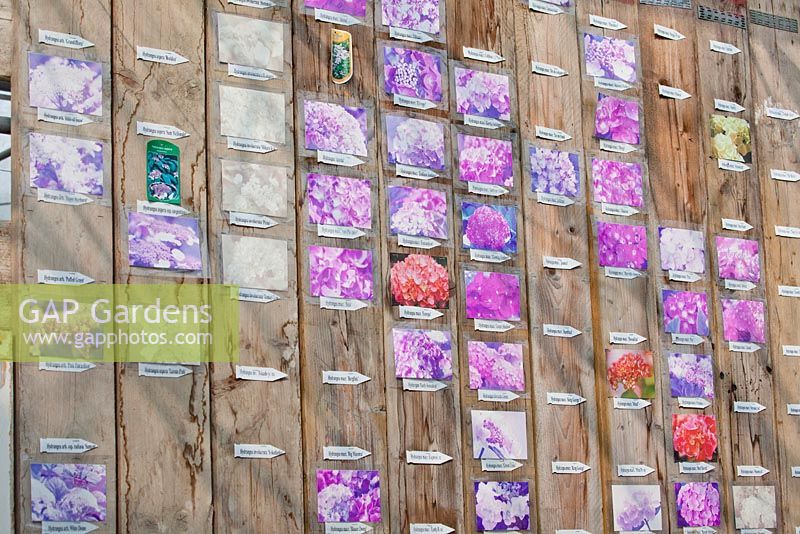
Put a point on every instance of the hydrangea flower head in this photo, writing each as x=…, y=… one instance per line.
x=610, y=58
x=694, y=437
x=411, y=72
x=482, y=94
x=415, y=142
x=485, y=160
x=682, y=250
x=555, y=172
x=419, y=280
x=488, y=227
x=698, y=504
x=335, y=128
x=617, y=119
x=617, y=182
x=422, y=354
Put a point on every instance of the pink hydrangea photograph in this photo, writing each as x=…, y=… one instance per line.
x=163, y=242
x=682, y=250
x=356, y=8
x=499, y=435
x=555, y=172
x=698, y=504
x=630, y=373
x=636, y=508
x=417, y=212
x=610, y=58
x=743, y=321
x=422, y=354
x=482, y=94
x=617, y=119
x=495, y=365
x=694, y=437
x=415, y=142
x=419, y=280
x=622, y=245
x=69, y=493
x=738, y=259
x=411, y=72
x=485, y=160
x=685, y=312
x=691, y=375
x=417, y=15
x=339, y=201
x=502, y=506
x=617, y=182
x=345, y=496
x=489, y=227
x=340, y=272
x=335, y=128
x=754, y=507
x=64, y=84
x=66, y=164
x=492, y=296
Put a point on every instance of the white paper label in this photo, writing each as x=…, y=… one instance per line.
x=413, y=36
x=334, y=158
x=415, y=384
x=572, y=531
x=491, y=395
x=634, y=470
x=672, y=92
x=699, y=530
x=427, y=457
x=258, y=4
x=413, y=241
x=344, y=454
x=251, y=294
x=696, y=403
x=487, y=56
x=742, y=346
x=256, y=450
x=486, y=325
x=163, y=131
x=61, y=197
x=347, y=528
x=546, y=69
x=616, y=209
x=748, y=407
x=65, y=445
x=544, y=7
x=482, y=122
x=553, y=134
x=250, y=73
x=500, y=466
x=727, y=105
x=490, y=190
x=160, y=208
x=331, y=303
x=555, y=262
x=787, y=231
x=250, y=145
x=569, y=468
x=160, y=370
x=62, y=117
x=251, y=220
x=750, y=471
x=488, y=256
x=605, y=22
x=342, y=19
x=554, y=200
x=668, y=33
x=430, y=528
x=259, y=374
x=796, y=474
x=339, y=232
x=782, y=114
x=560, y=330
x=156, y=55
x=418, y=173
x=612, y=85
x=686, y=339
x=64, y=278
x=793, y=409
x=564, y=399
x=791, y=350
x=622, y=272
x=723, y=48
x=735, y=166
x=614, y=146
x=755, y=531
x=784, y=175
x=625, y=338
x=736, y=225
x=683, y=276
x=67, y=527
x=630, y=404
x=419, y=313
x=412, y=102
x=694, y=468
x=66, y=367
x=64, y=40
x=344, y=378
x=739, y=285
x=789, y=291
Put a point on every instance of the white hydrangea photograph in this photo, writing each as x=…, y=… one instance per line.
x=252, y=114
x=250, y=42
x=255, y=188
x=255, y=262
x=66, y=164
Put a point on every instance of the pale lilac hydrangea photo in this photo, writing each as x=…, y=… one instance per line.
x=685, y=312
x=64, y=84
x=636, y=508
x=415, y=142
x=489, y=227
x=743, y=320
x=485, y=160
x=555, y=172
x=682, y=250
x=499, y=435
x=622, y=245
x=340, y=272
x=617, y=119
x=738, y=259
x=417, y=15
x=163, y=242
x=502, y=506
x=617, y=182
x=255, y=188
x=610, y=58
x=422, y=354
x=335, y=128
x=493, y=296
x=68, y=492
x=417, y=212
x=339, y=201
x=691, y=375
x=754, y=507
x=495, y=365
x=413, y=73
x=66, y=164
x=698, y=504
x=356, y=8
x=482, y=94
x=345, y=496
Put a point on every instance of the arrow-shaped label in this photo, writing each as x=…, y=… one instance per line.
x=342, y=19
x=492, y=395
x=554, y=200
x=789, y=291
x=61, y=197
x=796, y=473
x=723, y=48
x=787, y=231
x=622, y=272
x=344, y=454
x=156, y=55
x=255, y=146
x=344, y=378
x=430, y=528
x=784, y=176
x=61, y=527
x=486, y=325
x=727, y=105
x=331, y=303
x=782, y=114
x=699, y=530
x=64, y=40
x=614, y=146
x=735, y=166
x=339, y=232
x=552, y=134
x=413, y=36
x=605, y=22
x=630, y=404
x=672, y=92
x=572, y=531
x=62, y=117
x=413, y=241
x=546, y=69
x=258, y=4
x=693, y=402
x=250, y=294
x=544, y=7
x=791, y=350
x=163, y=131
x=482, y=122
x=259, y=374
x=755, y=531
x=750, y=471
x=334, y=158
x=256, y=450
x=736, y=225
x=748, y=407
x=618, y=210
x=499, y=466
x=246, y=72
x=739, y=285
x=65, y=445
x=564, y=399
x=66, y=367
x=612, y=85
x=163, y=370
x=555, y=262
x=569, y=468
x=742, y=346
x=560, y=330
x=418, y=173
x=625, y=338
x=486, y=56
x=686, y=339
x=488, y=256
x=427, y=457
x=683, y=276
x=634, y=470
x=413, y=103
x=347, y=528
x=160, y=209
x=64, y=278
x=695, y=468
x=413, y=384
x=491, y=190
x=419, y=313
x=793, y=409
x=668, y=33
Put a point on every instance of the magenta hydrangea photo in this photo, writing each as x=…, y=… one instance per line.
x=485, y=160
x=610, y=58
x=64, y=84
x=489, y=227
x=622, y=245
x=339, y=201
x=502, y=506
x=422, y=354
x=340, y=272
x=495, y=365
x=415, y=142
x=555, y=172
x=617, y=182
x=499, y=435
x=411, y=72
x=738, y=259
x=482, y=94
x=685, y=312
x=417, y=212
x=493, y=296
x=698, y=504
x=682, y=250
x=356, y=8
x=68, y=492
x=66, y=164
x=163, y=242
x=636, y=508
x=617, y=119
x=743, y=320
x=345, y=496
x=335, y=128
x=417, y=15
x=691, y=375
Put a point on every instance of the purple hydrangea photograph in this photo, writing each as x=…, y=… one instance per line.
x=691, y=375
x=738, y=259
x=617, y=119
x=68, y=492
x=335, y=128
x=499, y=435
x=422, y=354
x=410, y=72
x=340, y=272
x=163, y=242
x=485, y=160
x=417, y=212
x=482, y=94
x=622, y=245
x=617, y=182
x=698, y=504
x=356, y=8
x=415, y=142
x=555, y=172
x=610, y=58
x=685, y=312
x=417, y=15
x=743, y=320
x=682, y=250
x=489, y=227
x=65, y=84
x=502, y=506
x=495, y=365
x=66, y=164
x=345, y=496
x=493, y=296
x=636, y=508
x=339, y=201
